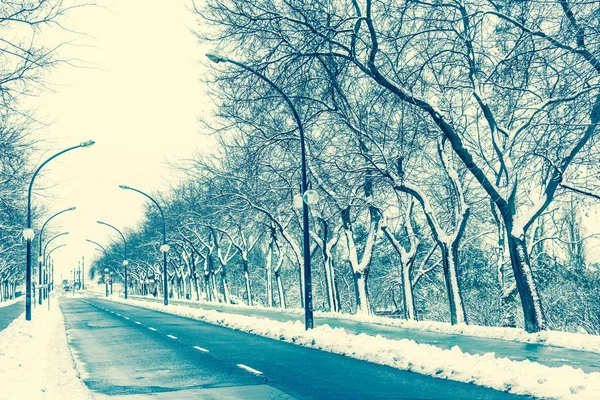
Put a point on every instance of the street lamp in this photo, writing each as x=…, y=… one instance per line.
x=40, y=240
x=125, y=262
x=46, y=263
x=306, y=196
x=44, y=260
x=29, y=236
x=164, y=248
x=106, y=280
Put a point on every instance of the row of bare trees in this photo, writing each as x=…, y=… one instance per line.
x=453, y=145
x=25, y=59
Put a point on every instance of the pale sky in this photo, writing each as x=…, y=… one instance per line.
x=140, y=104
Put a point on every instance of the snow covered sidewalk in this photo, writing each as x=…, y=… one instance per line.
x=35, y=360
x=518, y=377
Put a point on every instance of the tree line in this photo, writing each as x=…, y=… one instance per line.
x=26, y=57
x=454, y=146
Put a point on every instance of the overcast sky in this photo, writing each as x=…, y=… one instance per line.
x=140, y=103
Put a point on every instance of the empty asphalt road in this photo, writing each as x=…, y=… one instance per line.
x=551, y=356
x=9, y=313
x=129, y=352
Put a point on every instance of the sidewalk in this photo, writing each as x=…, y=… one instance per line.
x=550, y=356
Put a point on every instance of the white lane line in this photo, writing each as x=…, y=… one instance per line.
x=139, y=323
x=201, y=349
x=172, y=337
x=152, y=329
x=247, y=368
x=118, y=315
x=126, y=317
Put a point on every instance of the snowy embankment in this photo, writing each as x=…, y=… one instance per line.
x=573, y=341
x=35, y=360
x=518, y=377
x=6, y=303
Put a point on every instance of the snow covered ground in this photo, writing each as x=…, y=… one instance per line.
x=573, y=341
x=35, y=360
x=519, y=377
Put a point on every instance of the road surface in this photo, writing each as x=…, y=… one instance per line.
x=551, y=356
x=9, y=313
x=129, y=352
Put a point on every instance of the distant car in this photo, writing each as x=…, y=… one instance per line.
x=67, y=288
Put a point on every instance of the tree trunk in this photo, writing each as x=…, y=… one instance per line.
x=407, y=293
x=280, y=290
x=269, y=267
x=533, y=314
x=362, y=295
x=457, y=311
x=196, y=287
x=225, y=285
x=247, y=281
x=213, y=286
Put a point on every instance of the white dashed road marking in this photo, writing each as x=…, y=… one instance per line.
x=172, y=337
x=201, y=349
x=152, y=329
x=139, y=323
x=247, y=368
x=126, y=317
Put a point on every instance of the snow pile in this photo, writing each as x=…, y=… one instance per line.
x=518, y=377
x=573, y=341
x=9, y=302
x=35, y=360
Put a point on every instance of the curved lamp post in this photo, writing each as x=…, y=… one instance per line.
x=42, y=260
x=308, y=196
x=97, y=244
x=164, y=248
x=28, y=233
x=100, y=247
x=125, y=261
x=44, y=257
x=51, y=276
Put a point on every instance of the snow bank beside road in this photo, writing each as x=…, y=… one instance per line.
x=518, y=377
x=573, y=341
x=567, y=340
x=35, y=360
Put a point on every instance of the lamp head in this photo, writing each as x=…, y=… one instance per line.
x=28, y=234
x=124, y=187
x=214, y=58
x=87, y=144
x=125, y=263
x=297, y=202
x=71, y=209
